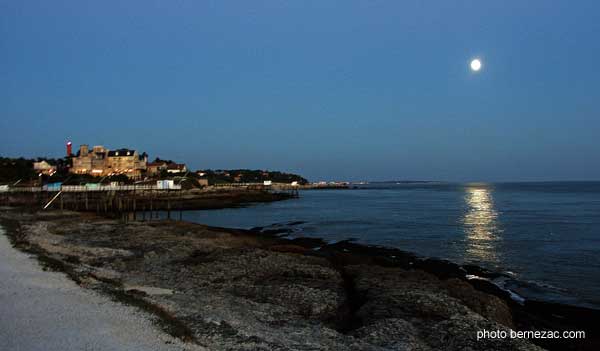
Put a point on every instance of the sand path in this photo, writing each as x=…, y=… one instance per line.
x=42, y=310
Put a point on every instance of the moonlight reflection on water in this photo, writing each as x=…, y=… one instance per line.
x=481, y=225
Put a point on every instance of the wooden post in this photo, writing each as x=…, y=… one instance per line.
x=158, y=203
x=168, y=207
x=134, y=209
x=180, y=205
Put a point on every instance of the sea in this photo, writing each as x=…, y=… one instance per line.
x=543, y=236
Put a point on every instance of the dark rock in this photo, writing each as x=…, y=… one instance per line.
x=417, y=312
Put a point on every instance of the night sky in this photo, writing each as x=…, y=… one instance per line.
x=346, y=90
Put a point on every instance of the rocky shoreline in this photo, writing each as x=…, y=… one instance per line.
x=230, y=289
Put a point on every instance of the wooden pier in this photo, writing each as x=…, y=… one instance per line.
x=134, y=202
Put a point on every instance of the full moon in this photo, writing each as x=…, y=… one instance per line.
x=475, y=65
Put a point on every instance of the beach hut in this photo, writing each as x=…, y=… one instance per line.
x=92, y=186
x=52, y=186
x=165, y=184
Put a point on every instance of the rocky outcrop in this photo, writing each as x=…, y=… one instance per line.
x=236, y=290
x=413, y=310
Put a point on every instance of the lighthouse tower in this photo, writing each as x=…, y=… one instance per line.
x=69, y=148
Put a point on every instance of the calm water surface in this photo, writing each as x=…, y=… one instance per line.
x=546, y=236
